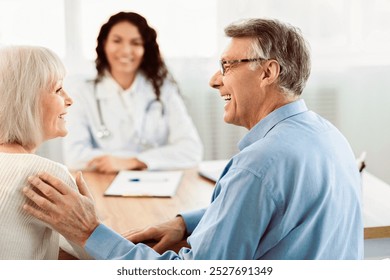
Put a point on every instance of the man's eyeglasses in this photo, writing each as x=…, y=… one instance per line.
x=226, y=64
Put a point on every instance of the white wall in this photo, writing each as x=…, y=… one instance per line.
x=364, y=104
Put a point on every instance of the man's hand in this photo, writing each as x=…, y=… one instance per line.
x=70, y=213
x=166, y=234
x=111, y=164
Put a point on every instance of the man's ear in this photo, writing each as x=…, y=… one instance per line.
x=271, y=72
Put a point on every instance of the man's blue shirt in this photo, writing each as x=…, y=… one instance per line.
x=292, y=192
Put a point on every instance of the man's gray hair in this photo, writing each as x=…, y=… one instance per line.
x=284, y=43
x=25, y=73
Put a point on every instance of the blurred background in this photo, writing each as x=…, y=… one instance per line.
x=349, y=39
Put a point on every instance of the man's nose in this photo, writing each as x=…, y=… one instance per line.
x=216, y=80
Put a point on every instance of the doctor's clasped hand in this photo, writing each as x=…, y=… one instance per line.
x=109, y=164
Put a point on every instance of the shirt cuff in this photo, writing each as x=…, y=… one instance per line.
x=192, y=219
x=103, y=241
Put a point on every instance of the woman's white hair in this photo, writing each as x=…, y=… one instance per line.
x=25, y=73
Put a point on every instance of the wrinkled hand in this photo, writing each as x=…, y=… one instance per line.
x=70, y=213
x=166, y=234
x=111, y=164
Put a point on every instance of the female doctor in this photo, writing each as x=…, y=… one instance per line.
x=131, y=116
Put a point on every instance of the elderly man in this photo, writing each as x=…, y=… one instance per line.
x=292, y=192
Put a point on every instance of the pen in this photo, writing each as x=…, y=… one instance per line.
x=148, y=180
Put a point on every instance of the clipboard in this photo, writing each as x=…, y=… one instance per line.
x=145, y=184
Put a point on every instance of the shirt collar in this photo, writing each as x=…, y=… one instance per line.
x=261, y=129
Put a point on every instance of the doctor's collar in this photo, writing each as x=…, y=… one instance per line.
x=108, y=85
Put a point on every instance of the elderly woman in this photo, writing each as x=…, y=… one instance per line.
x=32, y=110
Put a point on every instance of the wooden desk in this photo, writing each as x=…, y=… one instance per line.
x=125, y=213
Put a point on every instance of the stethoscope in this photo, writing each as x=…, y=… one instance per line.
x=103, y=132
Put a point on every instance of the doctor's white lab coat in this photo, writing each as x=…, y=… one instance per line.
x=161, y=134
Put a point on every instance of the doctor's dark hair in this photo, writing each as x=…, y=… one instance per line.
x=152, y=63
x=284, y=43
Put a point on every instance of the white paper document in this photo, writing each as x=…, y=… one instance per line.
x=145, y=183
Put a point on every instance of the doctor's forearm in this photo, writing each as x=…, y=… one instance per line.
x=171, y=157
